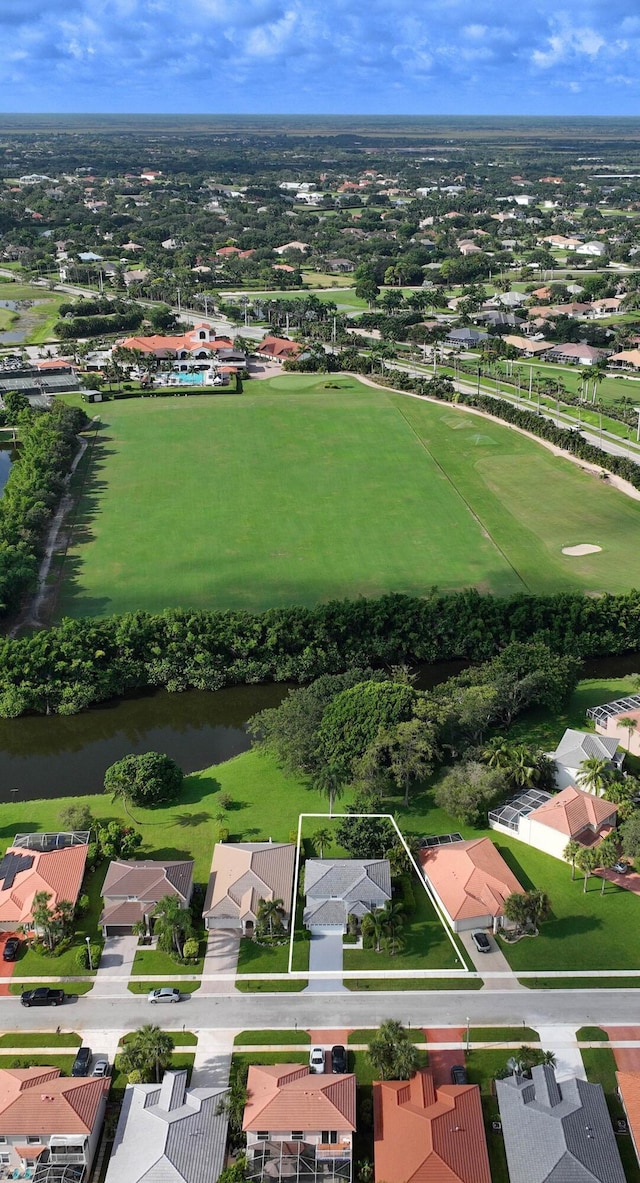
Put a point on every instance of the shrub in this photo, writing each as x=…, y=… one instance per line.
x=82, y=956
x=191, y=949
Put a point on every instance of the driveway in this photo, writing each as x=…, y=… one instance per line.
x=493, y=962
x=116, y=966
x=325, y=954
x=221, y=958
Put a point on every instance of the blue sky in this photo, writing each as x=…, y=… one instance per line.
x=321, y=56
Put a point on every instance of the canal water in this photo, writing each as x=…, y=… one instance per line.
x=66, y=756
x=6, y=457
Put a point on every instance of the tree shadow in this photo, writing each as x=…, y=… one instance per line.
x=191, y=820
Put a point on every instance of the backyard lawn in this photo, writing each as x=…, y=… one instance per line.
x=302, y=490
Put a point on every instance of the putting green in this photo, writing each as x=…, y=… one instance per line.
x=297, y=492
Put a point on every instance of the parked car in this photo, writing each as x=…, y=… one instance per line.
x=101, y=1067
x=164, y=994
x=621, y=867
x=459, y=1074
x=42, y=996
x=338, y=1059
x=11, y=949
x=316, y=1059
x=82, y=1062
x=481, y=941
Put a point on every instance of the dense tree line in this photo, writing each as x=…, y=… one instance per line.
x=80, y=662
x=48, y=442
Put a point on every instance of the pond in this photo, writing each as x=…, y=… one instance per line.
x=66, y=756
x=6, y=460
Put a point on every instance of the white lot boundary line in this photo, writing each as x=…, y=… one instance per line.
x=375, y=973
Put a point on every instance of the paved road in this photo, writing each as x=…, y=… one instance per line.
x=254, y=1011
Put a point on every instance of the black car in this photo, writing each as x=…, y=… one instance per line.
x=481, y=941
x=82, y=1062
x=459, y=1074
x=338, y=1059
x=42, y=996
x=11, y=949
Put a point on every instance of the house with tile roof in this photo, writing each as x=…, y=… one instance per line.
x=278, y=349
x=569, y=816
x=338, y=888
x=25, y=871
x=470, y=881
x=629, y=1093
x=168, y=1133
x=421, y=1132
x=557, y=1130
x=299, y=1124
x=577, y=746
x=613, y=726
x=131, y=891
x=48, y=1120
x=242, y=875
x=200, y=342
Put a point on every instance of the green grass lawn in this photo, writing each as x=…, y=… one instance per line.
x=154, y=961
x=40, y=1039
x=591, y=1035
x=382, y=984
x=397, y=495
x=64, y=1063
x=254, y=1038
x=180, y=1038
x=70, y=988
x=427, y=945
x=503, y=1035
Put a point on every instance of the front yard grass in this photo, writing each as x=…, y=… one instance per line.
x=517, y=1035
x=254, y=1038
x=590, y=984
x=426, y=944
x=413, y=983
x=40, y=1039
x=64, y=1063
x=591, y=1035
x=70, y=988
x=154, y=961
x=145, y=987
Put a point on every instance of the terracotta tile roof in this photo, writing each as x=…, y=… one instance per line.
x=58, y=872
x=470, y=878
x=243, y=873
x=426, y=1134
x=288, y=1096
x=278, y=347
x=573, y=810
x=41, y=1102
x=149, y=879
x=629, y=1089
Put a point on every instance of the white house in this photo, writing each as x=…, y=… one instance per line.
x=569, y=816
x=577, y=746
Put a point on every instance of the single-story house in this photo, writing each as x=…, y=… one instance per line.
x=278, y=349
x=168, y=1133
x=470, y=881
x=576, y=354
x=556, y=1131
x=465, y=338
x=24, y=871
x=131, y=891
x=527, y=346
x=413, y=1122
x=627, y=358
x=338, y=888
x=242, y=875
x=48, y=1120
x=577, y=746
x=299, y=1124
x=569, y=816
x=627, y=736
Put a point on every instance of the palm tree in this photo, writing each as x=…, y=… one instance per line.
x=515, y=908
x=594, y=774
x=631, y=725
x=172, y=922
x=328, y=782
x=373, y=925
x=148, y=1051
x=270, y=912
x=322, y=838
x=608, y=853
x=587, y=860
x=393, y=919
x=538, y=906
x=570, y=853
x=498, y=753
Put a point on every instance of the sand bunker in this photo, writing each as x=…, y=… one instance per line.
x=585, y=548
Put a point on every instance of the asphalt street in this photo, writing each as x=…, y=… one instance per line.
x=238, y=1011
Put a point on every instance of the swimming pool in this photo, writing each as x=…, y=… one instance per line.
x=189, y=379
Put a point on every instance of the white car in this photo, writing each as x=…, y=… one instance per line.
x=316, y=1059
x=164, y=994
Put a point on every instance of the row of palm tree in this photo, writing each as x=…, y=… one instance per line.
x=384, y=927
x=589, y=859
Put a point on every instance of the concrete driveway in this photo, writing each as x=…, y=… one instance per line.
x=221, y=958
x=116, y=964
x=492, y=962
x=325, y=954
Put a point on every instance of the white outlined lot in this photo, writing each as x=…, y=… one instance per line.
x=399, y=973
